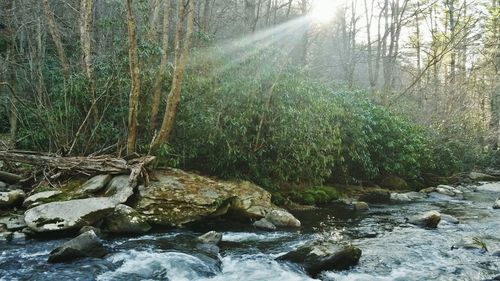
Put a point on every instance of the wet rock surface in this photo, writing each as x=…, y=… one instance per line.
x=86, y=244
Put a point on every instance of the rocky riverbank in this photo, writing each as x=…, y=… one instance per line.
x=108, y=205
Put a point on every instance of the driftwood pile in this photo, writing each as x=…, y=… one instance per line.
x=54, y=166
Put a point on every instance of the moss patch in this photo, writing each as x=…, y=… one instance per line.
x=318, y=195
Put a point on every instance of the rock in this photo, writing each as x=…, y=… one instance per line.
x=13, y=222
x=496, y=253
x=394, y=183
x=429, y=219
x=66, y=215
x=211, y=237
x=470, y=243
x=376, y=196
x=282, y=218
x=408, y=196
x=125, y=219
x=11, y=198
x=361, y=206
x=449, y=219
x=40, y=198
x=86, y=228
x=496, y=205
x=95, y=184
x=12, y=236
x=448, y=190
x=3, y=185
x=264, y=224
x=178, y=197
x=85, y=245
x=119, y=189
x=475, y=176
x=323, y=256
x=427, y=190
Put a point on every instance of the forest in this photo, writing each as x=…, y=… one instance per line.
x=254, y=140
x=273, y=91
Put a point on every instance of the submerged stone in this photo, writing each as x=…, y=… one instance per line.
x=428, y=219
x=317, y=257
x=85, y=245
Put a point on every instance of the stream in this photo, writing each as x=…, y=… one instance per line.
x=392, y=249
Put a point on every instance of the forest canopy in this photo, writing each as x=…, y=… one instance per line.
x=268, y=90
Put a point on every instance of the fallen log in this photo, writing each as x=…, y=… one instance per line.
x=85, y=165
x=9, y=177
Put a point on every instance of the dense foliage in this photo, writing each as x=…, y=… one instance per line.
x=258, y=121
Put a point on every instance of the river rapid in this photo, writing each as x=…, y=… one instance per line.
x=392, y=248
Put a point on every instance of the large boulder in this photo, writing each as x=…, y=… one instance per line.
x=317, y=257
x=66, y=215
x=85, y=245
x=125, y=219
x=178, y=197
x=11, y=198
x=40, y=198
x=428, y=219
x=95, y=184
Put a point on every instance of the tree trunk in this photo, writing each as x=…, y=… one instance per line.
x=135, y=90
x=181, y=57
x=205, y=20
x=249, y=13
x=86, y=39
x=56, y=37
x=160, y=75
x=86, y=24
x=154, y=21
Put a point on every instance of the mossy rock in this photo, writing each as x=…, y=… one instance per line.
x=394, y=183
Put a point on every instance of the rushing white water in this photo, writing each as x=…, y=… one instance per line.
x=392, y=249
x=153, y=265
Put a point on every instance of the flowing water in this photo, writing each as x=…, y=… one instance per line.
x=392, y=249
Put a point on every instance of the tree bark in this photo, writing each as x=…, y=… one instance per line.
x=135, y=90
x=181, y=57
x=160, y=75
x=56, y=37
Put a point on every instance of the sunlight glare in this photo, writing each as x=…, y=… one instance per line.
x=323, y=11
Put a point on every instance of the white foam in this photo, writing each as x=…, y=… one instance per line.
x=257, y=268
x=249, y=236
x=490, y=187
x=146, y=264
